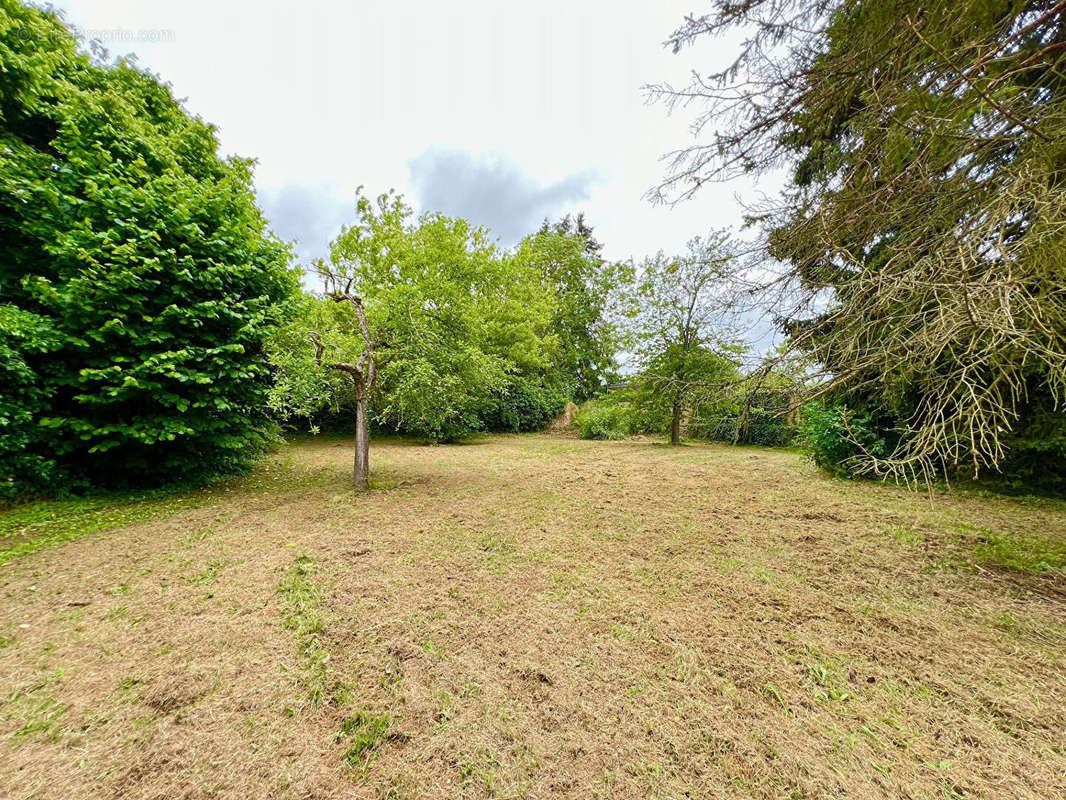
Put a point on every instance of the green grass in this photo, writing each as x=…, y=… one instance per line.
x=1021, y=553
x=363, y=733
x=302, y=613
x=35, y=712
x=29, y=528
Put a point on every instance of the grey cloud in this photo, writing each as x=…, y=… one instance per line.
x=308, y=214
x=493, y=192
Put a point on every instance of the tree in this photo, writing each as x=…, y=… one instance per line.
x=690, y=387
x=584, y=285
x=427, y=285
x=922, y=236
x=22, y=336
x=439, y=334
x=138, y=273
x=363, y=373
x=679, y=324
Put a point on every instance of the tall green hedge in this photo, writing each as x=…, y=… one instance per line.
x=137, y=277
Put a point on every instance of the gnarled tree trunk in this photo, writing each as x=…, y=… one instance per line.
x=362, y=374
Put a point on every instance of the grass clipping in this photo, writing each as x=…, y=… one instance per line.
x=301, y=597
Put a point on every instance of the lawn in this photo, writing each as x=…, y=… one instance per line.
x=535, y=616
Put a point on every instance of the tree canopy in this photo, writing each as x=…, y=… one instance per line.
x=585, y=285
x=463, y=332
x=680, y=329
x=137, y=278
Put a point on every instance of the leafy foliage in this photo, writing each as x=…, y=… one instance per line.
x=836, y=438
x=23, y=336
x=522, y=404
x=567, y=256
x=701, y=377
x=603, y=420
x=760, y=419
x=138, y=275
x=301, y=388
x=463, y=333
x=686, y=354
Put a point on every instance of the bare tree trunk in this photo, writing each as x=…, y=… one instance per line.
x=362, y=447
x=675, y=424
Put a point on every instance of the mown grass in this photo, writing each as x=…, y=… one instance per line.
x=1038, y=554
x=29, y=528
x=301, y=597
x=543, y=617
x=35, y=711
x=361, y=734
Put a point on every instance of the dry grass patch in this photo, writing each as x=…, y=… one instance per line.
x=533, y=616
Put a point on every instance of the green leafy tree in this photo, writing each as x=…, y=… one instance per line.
x=23, y=337
x=690, y=387
x=139, y=258
x=679, y=328
x=585, y=287
x=425, y=284
x=302, y=389
x=922, y=236
x=443, y=334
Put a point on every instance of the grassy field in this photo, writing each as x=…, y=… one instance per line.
x=529, y=616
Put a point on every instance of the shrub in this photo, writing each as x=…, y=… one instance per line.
x=1036, y=449
x=523, y=404
x=22, y=336
x=603, y=421
x=762, y=427
x=831, y=435
x=647, y=410
x=767, y=428
x=144, y=257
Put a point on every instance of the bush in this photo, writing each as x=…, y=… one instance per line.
x=1036, y=449
x=831, y=436
x=764, y=428
x=603, y=421
x=523, y=404
x=22, y=336
x=647, y=411
x=767, y=428
x=144, y=257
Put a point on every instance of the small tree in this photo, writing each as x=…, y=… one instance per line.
x=679, y=323
x=424, y=326
x=690, y=388
x=362, y=373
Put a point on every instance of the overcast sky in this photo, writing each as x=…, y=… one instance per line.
x=487, y=110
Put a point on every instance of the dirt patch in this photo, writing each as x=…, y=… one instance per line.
x=564, y=423
x=540, y=616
